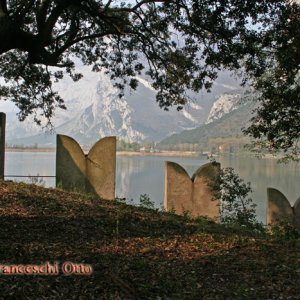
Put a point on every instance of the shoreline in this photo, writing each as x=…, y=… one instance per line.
x=119, y=153
x=136, y=153
x=162, y=153
x=30, y=149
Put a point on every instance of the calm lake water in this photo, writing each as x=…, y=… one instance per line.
x=138, y=175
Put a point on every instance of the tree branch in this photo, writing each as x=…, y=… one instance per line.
x=107, y=5
x=52, y=19
x=138, y=5
x=20, y=13
x=83, y=38
x=41, y=14
x=3, y=8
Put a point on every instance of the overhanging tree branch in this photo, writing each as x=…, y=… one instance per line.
x=3, y=8
x=213, y=35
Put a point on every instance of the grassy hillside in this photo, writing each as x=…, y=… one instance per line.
x=229, y=126
x=135, y=253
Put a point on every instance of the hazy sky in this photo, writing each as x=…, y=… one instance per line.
x=8, y=106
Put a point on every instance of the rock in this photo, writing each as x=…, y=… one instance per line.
x=94, y=173
x=194, y=195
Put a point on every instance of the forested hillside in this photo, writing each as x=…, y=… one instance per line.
x=225, y=132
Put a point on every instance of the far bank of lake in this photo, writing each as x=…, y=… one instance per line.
x=144, y=174
x=119, y=153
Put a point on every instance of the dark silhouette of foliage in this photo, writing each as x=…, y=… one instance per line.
x=235, y=205
x=179, y=44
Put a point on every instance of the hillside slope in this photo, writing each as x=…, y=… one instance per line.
x=135, y=253
x=94, y=110
x=230, y=125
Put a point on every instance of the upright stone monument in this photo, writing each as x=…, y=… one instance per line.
x=70, y=164
x=93, y=173
x=195, y=194
x=203, y=195
x=101, y=168
x=296, y=209
x=279, y=209
x=178, y=188
x=2, y=143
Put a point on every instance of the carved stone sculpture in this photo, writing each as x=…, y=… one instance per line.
x=279, y=209
x=2, y=143
x=93, y=173
x=195, y=194
x=296, y=209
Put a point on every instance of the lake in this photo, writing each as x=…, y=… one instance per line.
x=137, y=175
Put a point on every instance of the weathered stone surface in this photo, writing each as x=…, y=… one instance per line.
x=279, y=208
x=194, y=195
x=93, y=173
x=296, y=209
x=2, y=143
x=70, y=164
x=203, y=199
x=101, y=168
x=178, y=188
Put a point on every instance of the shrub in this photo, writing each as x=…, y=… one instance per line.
x=146, y=202
x=235, y=205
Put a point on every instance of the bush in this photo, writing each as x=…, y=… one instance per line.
x=146, y=202
x=235, y=205
x=37, y=180
x=284, y=230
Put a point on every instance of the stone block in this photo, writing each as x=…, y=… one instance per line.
x=70, y=164
x=178, y=188
x=296, y=209
x=195, y=194
x=278, y=207
x=2, y=143
x=93, y=173
x=101, y=168
x=203, y=196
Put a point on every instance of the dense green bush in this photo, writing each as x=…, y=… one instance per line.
x=236, y=207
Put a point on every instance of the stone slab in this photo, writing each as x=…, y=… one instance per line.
x=178, y=188
x=203, y=199
x=70, y=164
x=195, y=194
x=2, y=143
x=94, y=173
x=279, y=208
x=101, y=168
x=296, y=209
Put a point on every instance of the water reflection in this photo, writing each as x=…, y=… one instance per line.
x=30, y=163
x=145, y=175
x=264, y=173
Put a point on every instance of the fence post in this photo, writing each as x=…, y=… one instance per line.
x=2, y=143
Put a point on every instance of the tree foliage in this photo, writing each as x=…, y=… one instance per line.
x=235, y=205
x=277, y=119
x=179, y=44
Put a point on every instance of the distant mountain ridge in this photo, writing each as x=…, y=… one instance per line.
x=225, y=104
x=226, y=125
x=95, y=110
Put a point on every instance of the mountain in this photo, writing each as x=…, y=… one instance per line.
x=135, y=117
x=226, y=103
x=95, y=110
x=228, y=126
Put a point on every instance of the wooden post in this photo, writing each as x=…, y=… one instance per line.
x=2, y=143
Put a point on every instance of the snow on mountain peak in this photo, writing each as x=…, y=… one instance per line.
x=95, y=110
x=225, y=103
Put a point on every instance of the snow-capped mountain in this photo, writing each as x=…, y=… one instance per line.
x=224, y=104
x=94, y=110
x=135, y=117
